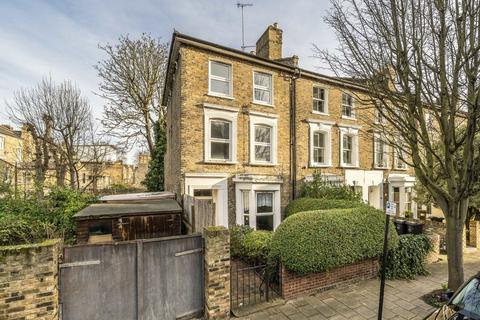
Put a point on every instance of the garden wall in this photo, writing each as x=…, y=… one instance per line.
x=29, y=281
x=294, y=285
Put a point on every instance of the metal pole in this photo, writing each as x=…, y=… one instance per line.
x=243, y=33
x=384, y=263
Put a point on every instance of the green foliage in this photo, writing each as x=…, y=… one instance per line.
x=237, y=239
x=321, y=189
x=310, y=204
x=317, y=241
x=407, y=259
x=154, y=179
x=28, y=220
x=257, y=245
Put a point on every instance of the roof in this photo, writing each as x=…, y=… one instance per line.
x=112, y=210
x=179, y=38
x=7, y=130
x=141, y=196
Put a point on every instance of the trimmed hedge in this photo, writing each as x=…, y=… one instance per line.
x=237, y=239
x=408, y=259
x=310, y=204
x=318, y=241
x=257, y=245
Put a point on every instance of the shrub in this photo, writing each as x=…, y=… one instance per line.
x=257, y=245
x=237, y=238
x=27, y=220
x=407, y=259
x=310, y=204
x=321, y=189
x=318, y=241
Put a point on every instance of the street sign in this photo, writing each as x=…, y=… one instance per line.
x=391, y=208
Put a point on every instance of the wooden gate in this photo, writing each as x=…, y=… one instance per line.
x=143, y=279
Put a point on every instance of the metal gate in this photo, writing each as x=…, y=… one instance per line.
x=252, y=284
x=143, y=279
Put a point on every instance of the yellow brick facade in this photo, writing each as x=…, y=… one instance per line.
x=187, y=98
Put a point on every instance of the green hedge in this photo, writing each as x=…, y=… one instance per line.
x=257, y=245
x=407, y=259
x=310, y=204
x=317, y=241
x=237, y=239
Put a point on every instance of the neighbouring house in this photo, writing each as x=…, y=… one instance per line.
x=13, y=157
x=247, y=129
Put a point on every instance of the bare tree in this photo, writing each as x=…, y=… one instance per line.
x=58, y=118
x=419, y=62
x=132, y=83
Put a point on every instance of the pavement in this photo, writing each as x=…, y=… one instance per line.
x=403, y=298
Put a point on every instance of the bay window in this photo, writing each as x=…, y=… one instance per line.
x=264, y=205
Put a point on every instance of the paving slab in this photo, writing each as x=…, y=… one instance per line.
x=360, y=301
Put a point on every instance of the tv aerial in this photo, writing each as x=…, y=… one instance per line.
x=242, y=6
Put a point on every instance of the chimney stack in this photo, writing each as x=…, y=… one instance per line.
x=269, y=45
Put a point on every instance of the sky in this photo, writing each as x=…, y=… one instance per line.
x=60, y=38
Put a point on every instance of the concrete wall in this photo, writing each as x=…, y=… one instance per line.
x=29, y=281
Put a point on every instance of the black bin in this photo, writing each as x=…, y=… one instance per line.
x=400, y=226
x=414, y=227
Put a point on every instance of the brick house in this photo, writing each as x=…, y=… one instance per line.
x=247, y=129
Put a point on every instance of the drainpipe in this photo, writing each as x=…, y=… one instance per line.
x=293, y=129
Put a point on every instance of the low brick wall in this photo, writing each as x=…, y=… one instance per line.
x=29, y=281
x=294, y=285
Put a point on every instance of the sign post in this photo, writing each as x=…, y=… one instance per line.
x=391, y=210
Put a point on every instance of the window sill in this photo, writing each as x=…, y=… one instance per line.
x=349, y=118
x=320, y=113
x=260, y=103
x=218, y=95
x=349, y=166
x=219, y=162
x=381, y=168
x=400, y=169
x=262, y=164
x=315, y=165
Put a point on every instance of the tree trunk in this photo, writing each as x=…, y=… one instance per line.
x=455, y=219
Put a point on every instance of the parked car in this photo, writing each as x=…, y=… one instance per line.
x=463, y=305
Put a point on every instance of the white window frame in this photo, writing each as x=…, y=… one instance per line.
x=253, y=189
x=326, y=129
x=378, y=139
x=355, y=141
x=2, y=143
x=325, y=100
x=354, y=116
x=213, y=77
x=266, y=121
x=254, y=86
x=397, y=161
x=212, y=112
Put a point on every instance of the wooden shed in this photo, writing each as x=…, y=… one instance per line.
x=111, y=221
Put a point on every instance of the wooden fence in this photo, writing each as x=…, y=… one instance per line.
x=198, y=213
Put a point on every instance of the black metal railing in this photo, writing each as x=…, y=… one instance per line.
x=252, y=284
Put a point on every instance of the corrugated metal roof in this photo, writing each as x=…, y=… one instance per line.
x=110, y=210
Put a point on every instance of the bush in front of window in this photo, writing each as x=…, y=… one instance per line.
x=319, y=188
x=237, y=239
x=257, y=246
x=311, y=204
x=318, y=241
x=408, y=259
